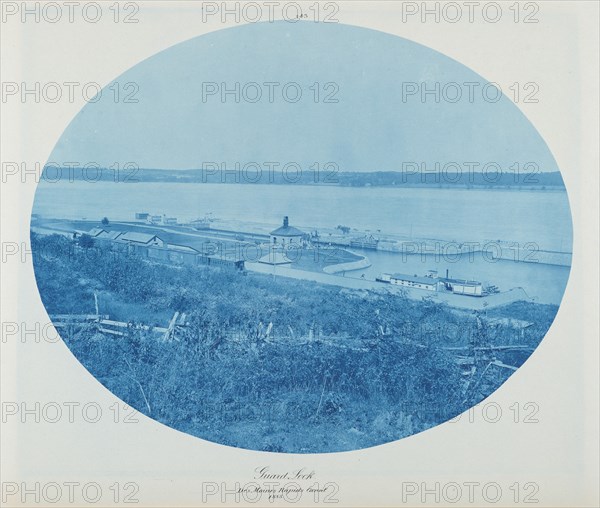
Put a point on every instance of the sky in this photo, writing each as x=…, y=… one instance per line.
x=375, y=125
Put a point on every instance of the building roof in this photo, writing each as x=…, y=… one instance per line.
x=462, y=282
x=414, y=278
x=275, y=258
x=287, y=231
x=182, y=248
x=144, y=238
x=109, y=235
x=96, y=231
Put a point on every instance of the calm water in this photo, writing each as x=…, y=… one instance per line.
x=545, y=283
x=520, y=216
x=461, y=215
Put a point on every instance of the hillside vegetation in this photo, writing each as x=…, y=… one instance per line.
x=271, y=363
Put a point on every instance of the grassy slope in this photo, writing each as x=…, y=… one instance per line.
x=224, y=380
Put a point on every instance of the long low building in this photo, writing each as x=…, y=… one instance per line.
x=433, y=283
x=411, y=281
x=151, y=246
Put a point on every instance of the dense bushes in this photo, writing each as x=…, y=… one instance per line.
x=337, y=370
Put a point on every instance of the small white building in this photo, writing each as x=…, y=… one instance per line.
x=200, y=223
x=286, y=235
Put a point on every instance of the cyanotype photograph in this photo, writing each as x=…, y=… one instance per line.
x=302, y=238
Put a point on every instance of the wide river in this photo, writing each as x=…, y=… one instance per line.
x=542, y=217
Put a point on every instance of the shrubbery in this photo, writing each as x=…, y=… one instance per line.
x=336, y=370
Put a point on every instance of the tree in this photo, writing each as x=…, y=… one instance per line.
x=105, y=221
x=86, y=241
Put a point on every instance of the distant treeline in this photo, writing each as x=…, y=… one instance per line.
x=526, y=177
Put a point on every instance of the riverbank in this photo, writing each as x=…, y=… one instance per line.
x=542, y=282
x=525, y=252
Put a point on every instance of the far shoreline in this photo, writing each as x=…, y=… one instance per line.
x=324, y=185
